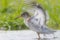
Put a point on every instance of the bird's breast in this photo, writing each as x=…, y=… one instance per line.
x=26, y=23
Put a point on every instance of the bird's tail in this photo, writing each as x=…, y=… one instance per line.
x=49, y=28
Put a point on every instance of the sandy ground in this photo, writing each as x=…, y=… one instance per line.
x=26, y=35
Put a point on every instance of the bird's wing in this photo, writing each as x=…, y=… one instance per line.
x=39, y=14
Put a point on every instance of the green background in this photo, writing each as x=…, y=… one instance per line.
x=10, y=9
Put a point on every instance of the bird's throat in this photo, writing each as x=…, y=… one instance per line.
x=27, y=19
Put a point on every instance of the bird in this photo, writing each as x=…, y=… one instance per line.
x=37, y=22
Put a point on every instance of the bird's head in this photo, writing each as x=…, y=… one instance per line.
x=24, y=15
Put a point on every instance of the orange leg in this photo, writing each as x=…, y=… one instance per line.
x=38, y=35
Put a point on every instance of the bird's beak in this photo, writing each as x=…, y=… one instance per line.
x=18, y=17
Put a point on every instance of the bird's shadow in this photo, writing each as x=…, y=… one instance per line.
x=45, y=38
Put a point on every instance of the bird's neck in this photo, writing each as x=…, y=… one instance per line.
x=27, y=19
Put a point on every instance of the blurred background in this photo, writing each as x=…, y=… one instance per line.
x=10, y=9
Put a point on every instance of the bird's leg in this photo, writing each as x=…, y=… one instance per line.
x=38, y=35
